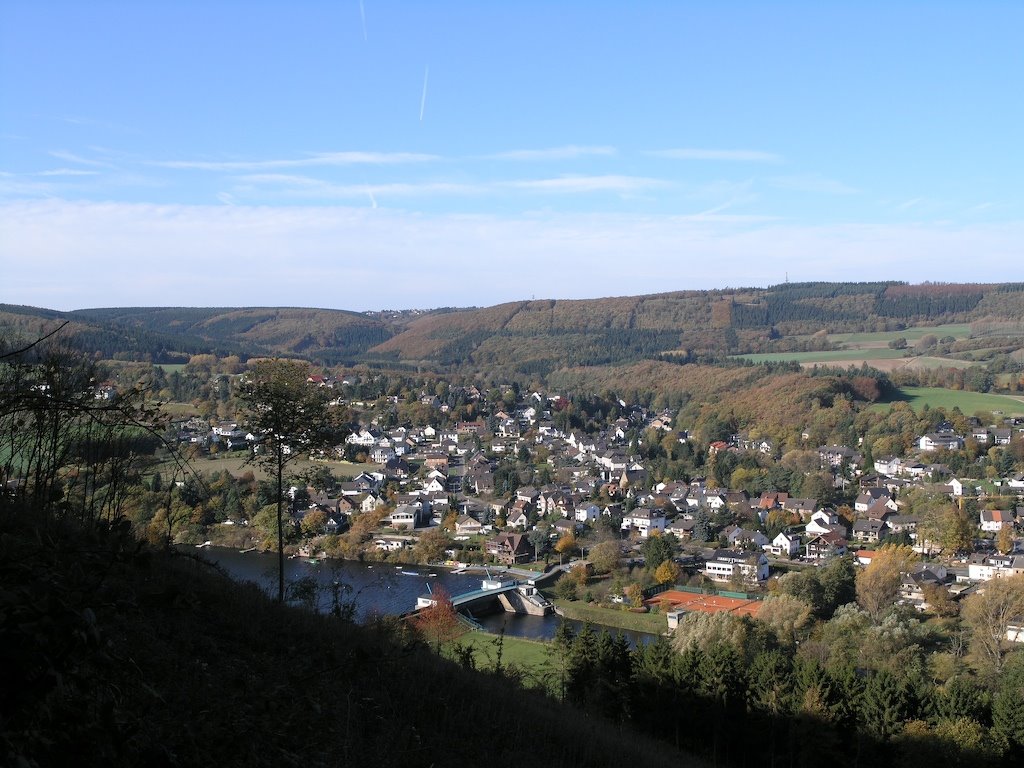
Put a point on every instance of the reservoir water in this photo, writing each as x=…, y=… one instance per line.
x=384, y=588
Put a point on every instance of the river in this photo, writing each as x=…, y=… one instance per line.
x=384, y=588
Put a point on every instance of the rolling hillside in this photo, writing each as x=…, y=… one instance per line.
x=538, y=337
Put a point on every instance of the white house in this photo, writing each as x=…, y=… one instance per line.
x=726, y=564
x=994, y=520
x=934, y=441
x=784, y=545
x=646, y=521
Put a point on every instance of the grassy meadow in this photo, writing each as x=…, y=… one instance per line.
x=967, y=402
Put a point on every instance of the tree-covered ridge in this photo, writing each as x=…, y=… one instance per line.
x=538, y=336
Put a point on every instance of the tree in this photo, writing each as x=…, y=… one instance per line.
x=656, y=550
x=988, y=613
x=439, y=622
x=1004, y=539
x=605, y=556
x=290, y=417
x=1008, y=706
x=565, y=546
x=538, y=537
x=786, y=616
x=878, y=585
x=314, y=522
x=667, y=572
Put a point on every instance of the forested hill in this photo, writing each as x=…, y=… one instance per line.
x=173, y=334
x=536, y=337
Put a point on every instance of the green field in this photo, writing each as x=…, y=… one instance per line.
x=171, y=367
x=967, y=402
x=531, y=656
x=958, y=331
x=832, y=356
x=654, y=623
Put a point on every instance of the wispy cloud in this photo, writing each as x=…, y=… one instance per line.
x=324, y=159
x=71, y=157
x=68, y=172
x=570, y=152
x=310, y=187
x=812, y=183
x=729, y=155
x=588, y=184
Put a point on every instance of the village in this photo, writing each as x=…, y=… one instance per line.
x=516, y=487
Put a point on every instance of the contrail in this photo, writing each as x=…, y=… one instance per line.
x=423, y=100
x=362, y=14
x=373, y=200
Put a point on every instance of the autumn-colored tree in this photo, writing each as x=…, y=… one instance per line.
x=314, y=522
x=1004, y=539
x=878, y=585
x=439, y=622
x=605, y=556
x=565, y=546
x=667, y=573
x=431, y=546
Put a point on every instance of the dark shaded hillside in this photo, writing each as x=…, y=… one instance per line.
x=119, y=656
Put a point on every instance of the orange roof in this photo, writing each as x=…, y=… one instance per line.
x=689, y=601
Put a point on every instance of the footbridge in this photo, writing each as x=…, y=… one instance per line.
x=510, y=596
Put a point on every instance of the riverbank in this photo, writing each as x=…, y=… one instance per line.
x=651, y=623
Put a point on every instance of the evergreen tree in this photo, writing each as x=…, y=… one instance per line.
x=885, y=705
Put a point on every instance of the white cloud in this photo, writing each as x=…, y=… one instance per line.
x=730, y=155
x=63, y=255
x=569, y=152
x=325, y=159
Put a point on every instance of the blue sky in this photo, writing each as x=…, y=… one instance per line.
x=368, y=155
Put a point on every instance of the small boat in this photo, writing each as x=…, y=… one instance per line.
x=243, y=551
x=204, y=544
x=313, y=561
x=431, y=574
x=410, y=573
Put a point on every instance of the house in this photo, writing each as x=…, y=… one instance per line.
x=994, y=520
x=645, y=521
x=510, y=548
x=729, y=565
x=405, y=516
x=804, y=507
x=784, y=545
x=982, y=567
x=869, y=496
x=870, y=530
x=824, y=521
x=740, y=537
x=467, y=526
x=389, y=543
x=934, y=441
x=826, y=546
x=518, y=518
x=888, y=465
x=588, y=513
